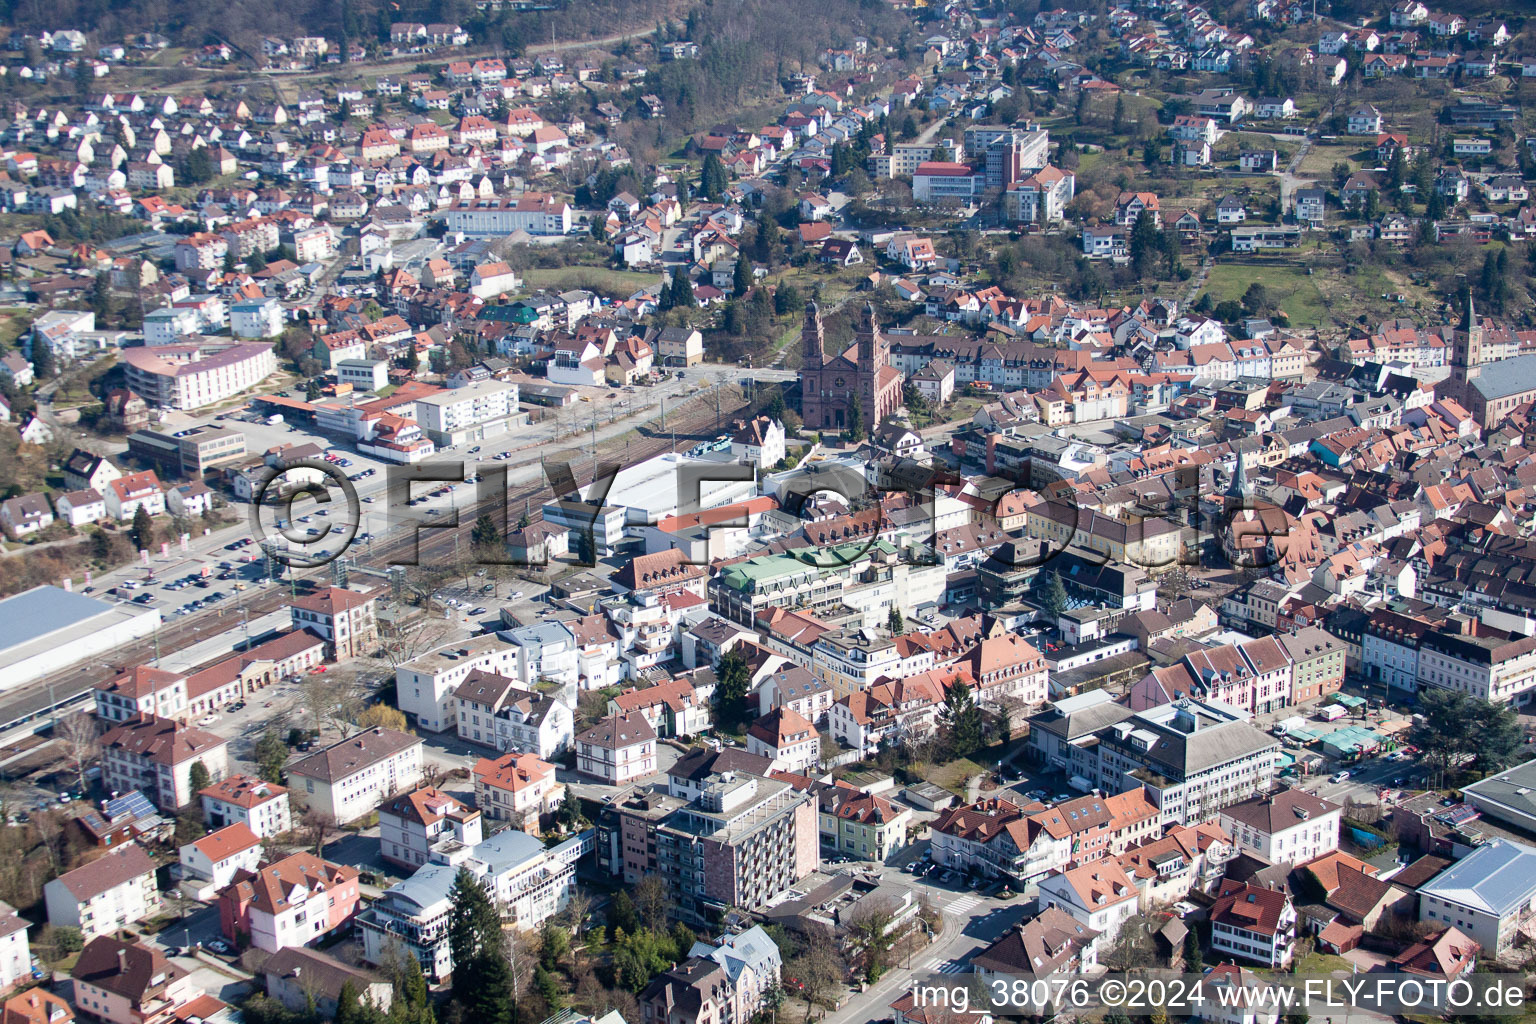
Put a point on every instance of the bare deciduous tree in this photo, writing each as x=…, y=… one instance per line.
x=81, y=741
x=316, y=825
x=576, y=910
x=818, y=968
x=651, y=899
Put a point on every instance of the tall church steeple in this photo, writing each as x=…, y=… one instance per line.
x=1467, y=345
x=873, y=353
x=812, y=339
x=1239, y=489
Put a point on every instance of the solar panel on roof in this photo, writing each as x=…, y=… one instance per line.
x=134, y=803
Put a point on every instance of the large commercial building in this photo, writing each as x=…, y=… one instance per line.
x=189, y=453
x=192, y=376
x=1193, y=757
x=46, y=629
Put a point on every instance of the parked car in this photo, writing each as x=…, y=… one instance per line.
x=1338, y=776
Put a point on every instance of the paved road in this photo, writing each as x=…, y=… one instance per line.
x=971, y=923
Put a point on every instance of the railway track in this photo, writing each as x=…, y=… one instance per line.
x=433, y=546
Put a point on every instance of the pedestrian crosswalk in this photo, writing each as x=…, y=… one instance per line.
x=942, y=966
x=964, y=905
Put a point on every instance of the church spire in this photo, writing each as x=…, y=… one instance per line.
x=1239, y=488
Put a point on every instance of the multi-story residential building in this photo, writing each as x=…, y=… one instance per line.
x=859, y=825
x=192, y=376
x=788, y=740
x=529, y=883
x=1253, y=923
x=1052, y=942
x=1389, y=648
x=1490, y=894
x=306, y=981
x=1317, y=663
x=210, y=864
x=496, y=712
x=533, y=212
x=1288, y=826
x=106, y=895
x=1100, y=897
x=887, y=712
x=290, y=902
x=517, y=788
x=731, y=839
x=471, y=413
x=425, y=687
x=259, y=805
x=122, y=982
x=413, y=825
x=15, y=956
x=851, y=660
x=618, y=750
x=156, y=755
x=353, y=776
x=345, y=619
x=127, y=494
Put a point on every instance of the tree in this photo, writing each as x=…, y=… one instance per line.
x=652, y=900
x=1455, y=729
x=317, y=825
x=312, y=390
x=731, y=691
x=43, y=366
x=1146, y=245
x=271, y=755
x=1194, y=960
x=855, y=431
x=1053, y=597
x=621, y=913
x=1256, y=300
x=198, y=778
x=817, y=968
x=484, y=534
x=81, y=741
x=197, y=167
x=143, y=528
x=962, y=721
x=478, y=946
x=896, y=622
x=680, y=294
x=712, y=182
x=1117, y=123
x=382, y=716
x=741, y=280
x=870, y=934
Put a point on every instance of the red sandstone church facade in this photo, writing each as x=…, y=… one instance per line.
x=829, y=384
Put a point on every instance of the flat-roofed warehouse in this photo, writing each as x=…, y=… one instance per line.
x=46, y=629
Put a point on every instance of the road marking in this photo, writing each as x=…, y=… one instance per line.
x=964, y=904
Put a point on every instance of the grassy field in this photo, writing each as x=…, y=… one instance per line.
x=1319, y=161
x=1291, y=287
x=13, y=324
x=613, y=283
x=952, y=776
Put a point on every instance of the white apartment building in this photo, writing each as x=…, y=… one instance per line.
x=1495, y=668
x=1286, y=827
x=191, y=376
x=156, y=755
x=533, y=212
x=260, y=806
x=256, y=318
x=211, y=863
x=618, y=750
x=106, y=895
x=425, y=686
x=363, y=374
x=529, y=883
x=474, y=412
x=15, y=955
x=1099, y=896
x=350, y=778
x=413, y=825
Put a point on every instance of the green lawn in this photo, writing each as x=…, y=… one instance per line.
x=1323, y=963
x=952, y=776
x=1292, y=289
x=613, y=283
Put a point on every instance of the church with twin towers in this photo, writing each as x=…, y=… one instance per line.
x=831, y=384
